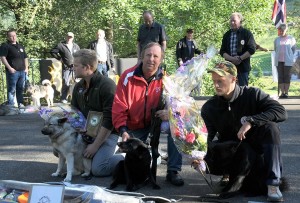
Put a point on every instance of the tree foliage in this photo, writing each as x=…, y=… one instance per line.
x=42, y=23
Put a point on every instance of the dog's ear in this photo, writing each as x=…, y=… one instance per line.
x=62, y=120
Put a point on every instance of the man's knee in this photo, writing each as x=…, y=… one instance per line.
x=272, y=134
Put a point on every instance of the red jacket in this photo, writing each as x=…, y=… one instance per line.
x=135, y=98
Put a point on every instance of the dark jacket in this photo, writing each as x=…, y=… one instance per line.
x=224, y=116
x=245, y=42
x=98, y=97
x=61, y=52
x=109, y=53
x=182, y=50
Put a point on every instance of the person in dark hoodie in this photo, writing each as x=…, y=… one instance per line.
x=63, y=51
x=186, y=48
x=248, y=116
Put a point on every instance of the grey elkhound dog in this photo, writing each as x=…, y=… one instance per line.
x=69, y=145
x=39, y=91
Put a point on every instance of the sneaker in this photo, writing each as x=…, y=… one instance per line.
x=174, y=178
x=163, y=154
x=64, y=101
x=274, y=194
x=21, y=106
x=285, y=95
x=281, y=96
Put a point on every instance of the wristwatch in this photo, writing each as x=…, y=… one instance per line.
x=250, y=120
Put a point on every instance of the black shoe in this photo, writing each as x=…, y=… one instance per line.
x=281, y=96
x=174, y=178
x=285, y=95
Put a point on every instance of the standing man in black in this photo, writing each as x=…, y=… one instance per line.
x=150, y=31
x=64, y=52
x=186, y=48
x=238, y=45
x=14, y=57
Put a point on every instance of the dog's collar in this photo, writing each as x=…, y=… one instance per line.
x=60, y=132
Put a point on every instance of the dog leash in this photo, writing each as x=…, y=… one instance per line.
x=210, y=182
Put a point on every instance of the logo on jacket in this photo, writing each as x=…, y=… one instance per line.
x=157, y=89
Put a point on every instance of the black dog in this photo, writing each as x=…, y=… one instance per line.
x=134, y=170
x=244, y=167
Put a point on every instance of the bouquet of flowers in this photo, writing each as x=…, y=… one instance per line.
x=186, y=124
x=75, y=117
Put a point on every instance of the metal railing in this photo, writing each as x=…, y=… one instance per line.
x=33, y=77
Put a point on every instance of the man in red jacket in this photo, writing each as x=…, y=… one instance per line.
x=138, y=91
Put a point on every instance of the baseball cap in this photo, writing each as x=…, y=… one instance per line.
x=190, y=30
x=224, y=68
x=70, y=34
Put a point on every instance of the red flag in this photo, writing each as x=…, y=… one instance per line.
x=279, y=12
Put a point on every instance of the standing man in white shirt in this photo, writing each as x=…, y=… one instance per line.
x=104, y=53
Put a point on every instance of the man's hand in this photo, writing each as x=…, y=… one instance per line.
x=114, y=71
x=162, y=114
x=236, y=60
x=180, y=62
x=12, y=70
x=90, y=151
x=125, y=136
x=243, y=130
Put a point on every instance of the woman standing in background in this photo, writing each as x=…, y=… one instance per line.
x=284, y=46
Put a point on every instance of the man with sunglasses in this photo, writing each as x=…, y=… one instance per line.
x=95, y=92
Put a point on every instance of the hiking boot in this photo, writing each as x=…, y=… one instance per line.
x=174, y=178
x=274, y=194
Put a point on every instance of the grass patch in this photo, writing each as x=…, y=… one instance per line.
x=267, y=84
x=262, y=60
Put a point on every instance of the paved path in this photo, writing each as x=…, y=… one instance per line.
x=26, y=155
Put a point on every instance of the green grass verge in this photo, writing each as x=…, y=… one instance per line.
x=267, y=84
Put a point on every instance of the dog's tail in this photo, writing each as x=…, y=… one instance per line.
x=46, y=82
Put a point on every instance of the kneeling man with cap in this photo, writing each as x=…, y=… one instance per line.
x=248, y=117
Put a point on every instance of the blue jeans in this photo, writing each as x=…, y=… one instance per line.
x=105, y=159
x=102, y=68
x=174, y=157
x=15, y=86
